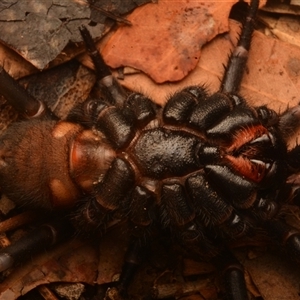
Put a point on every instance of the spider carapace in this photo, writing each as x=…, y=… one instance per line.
x=206, y=168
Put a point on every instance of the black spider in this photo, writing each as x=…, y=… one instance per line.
x=205, y=168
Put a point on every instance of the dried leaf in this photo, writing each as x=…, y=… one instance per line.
x=71, y=262
x=272, y=75
x=165, y=40
x=275, y=278
x=40, y=32
x=282, y=8
x=285, y=28
x=62, y=87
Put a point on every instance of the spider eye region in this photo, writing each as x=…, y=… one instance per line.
x=90, y=157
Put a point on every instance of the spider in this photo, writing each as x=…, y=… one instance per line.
x=207, y=169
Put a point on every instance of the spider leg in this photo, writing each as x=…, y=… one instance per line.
x=287, y=236
x=231, y=270
x=237, y=62
x=103, y=72
x=20, y=99
x=131, y=264
x=193, y=227
x=34, y=242
x=232, y=275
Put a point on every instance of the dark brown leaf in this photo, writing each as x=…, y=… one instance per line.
x=101, y=9
x=39, y=31
x=71, y=262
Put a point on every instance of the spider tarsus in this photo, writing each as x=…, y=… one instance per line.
x=237, y=62
x=248, y=27
x=99, y=64
x=103, y=72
